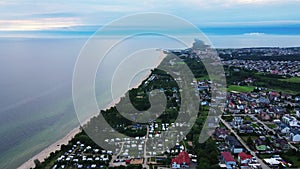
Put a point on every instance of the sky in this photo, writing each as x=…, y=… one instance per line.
x=35, y=16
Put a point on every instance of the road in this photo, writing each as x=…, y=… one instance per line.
x=145, y=150
x=114, y=157
x=266, y=127
x=263, y=165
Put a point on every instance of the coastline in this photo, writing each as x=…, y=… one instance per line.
x=52, y=148
x=45, y=153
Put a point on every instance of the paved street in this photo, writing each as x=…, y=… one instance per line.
x=268, y=128
x=114, y=157
x=263, y=165
x=265, y=126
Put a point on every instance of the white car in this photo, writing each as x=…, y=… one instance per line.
x=254, y=160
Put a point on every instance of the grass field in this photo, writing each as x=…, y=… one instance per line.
x=291, y=80
x=287, y=91
x=240, y=88
x=271, y=125
x=206, y=77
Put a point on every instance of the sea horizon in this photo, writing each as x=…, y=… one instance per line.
x=36, y=83
x=220, y=36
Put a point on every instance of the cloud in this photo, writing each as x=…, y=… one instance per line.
x=54, y=15
x=37, y=24
x=37, y=15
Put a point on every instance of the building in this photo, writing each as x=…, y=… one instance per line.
x=228, y=160
x=220, y=133
x=182, y=160
x=234, y=145
x=297, y=110
x=237, y=121
x=295, y=137
x=244, y=159
x=246, y=129
x=264, y=116
x=281, y=144
x=290, y=121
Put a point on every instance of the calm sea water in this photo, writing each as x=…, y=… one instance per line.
x=35, y=96
x=36, y=106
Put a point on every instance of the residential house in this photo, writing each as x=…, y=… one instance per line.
x=228, y=160
x=244, y=159
x=246, y=129
x=281, y=144
x=274, y=96
x=295, y=137
x=285, y=129
x=221, y=133
x=182, y=160
x=263, y=100
x=290, y=121
x=279, y=112
x=264, y=116
x=237, y=122
x=234, y=145
x=297, y=110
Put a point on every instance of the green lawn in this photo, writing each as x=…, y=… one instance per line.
x=291, y=80
x=246, y=137
x=247, y=118
x=240, y=88
x=271, y=125
x=181, y=63
x=206, y=77
x=254, y=125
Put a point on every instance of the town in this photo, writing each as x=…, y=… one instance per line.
x=259, y=127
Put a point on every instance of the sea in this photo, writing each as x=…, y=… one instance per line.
x=36, y=106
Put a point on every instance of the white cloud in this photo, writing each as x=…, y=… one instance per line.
x=28, y=14
x=37, y=24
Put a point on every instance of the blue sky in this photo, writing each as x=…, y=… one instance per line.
x=33, y=15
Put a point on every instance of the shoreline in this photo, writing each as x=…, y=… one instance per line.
x=45, y=153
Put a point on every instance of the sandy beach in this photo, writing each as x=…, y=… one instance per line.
x=64, y=141
x=52, y=148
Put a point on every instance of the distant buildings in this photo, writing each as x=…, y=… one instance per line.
x=282, y=68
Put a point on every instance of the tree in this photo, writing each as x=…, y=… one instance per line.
x=37, y=163
x=249, y=141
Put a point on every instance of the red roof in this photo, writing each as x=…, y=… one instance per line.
x=244, y=156
x=183, y=157
x=227, y=156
